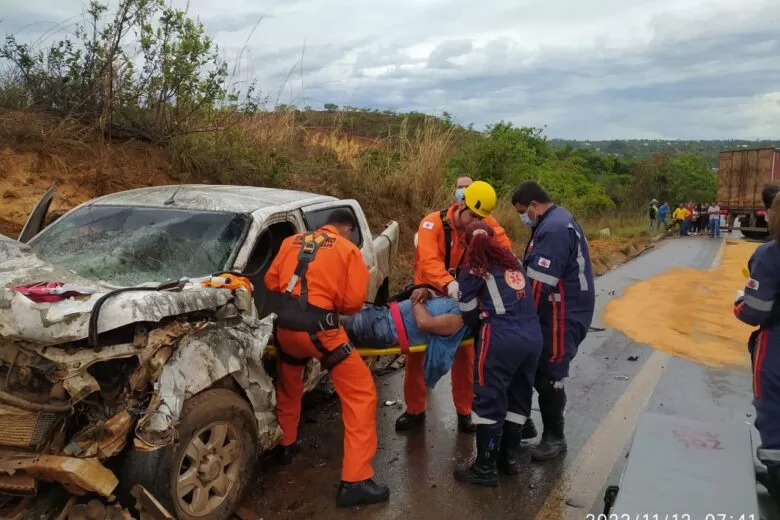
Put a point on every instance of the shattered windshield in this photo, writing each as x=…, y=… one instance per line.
x=129, y=246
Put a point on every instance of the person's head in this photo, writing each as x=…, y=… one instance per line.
x=484, y=252
x=479, y=200
x=343, y=220
x=460, y=185
x=531, y=201
x=768, y=194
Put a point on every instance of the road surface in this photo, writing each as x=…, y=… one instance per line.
x=605, y=393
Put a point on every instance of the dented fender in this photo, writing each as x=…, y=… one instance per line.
x=204, y=357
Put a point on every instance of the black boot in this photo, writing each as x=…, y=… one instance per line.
x=483, y=471
x=407, y=421
x=465, y=425
x=507, y=454
x=551, y=404
x=529, y=430
x=365, y=492
x=286, y=454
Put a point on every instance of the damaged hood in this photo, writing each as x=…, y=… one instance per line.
x=68, y=320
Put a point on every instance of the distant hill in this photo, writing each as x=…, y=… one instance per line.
x=643, y=148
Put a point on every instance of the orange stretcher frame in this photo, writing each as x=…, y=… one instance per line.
x=270, y=351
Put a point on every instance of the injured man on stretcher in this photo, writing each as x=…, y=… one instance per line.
x=423, y=319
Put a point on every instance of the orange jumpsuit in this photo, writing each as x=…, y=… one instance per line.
x=337, y=280
x=429, y=269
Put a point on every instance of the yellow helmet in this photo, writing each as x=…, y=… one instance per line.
x=480, y=197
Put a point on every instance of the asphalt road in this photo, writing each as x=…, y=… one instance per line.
x=606, y=392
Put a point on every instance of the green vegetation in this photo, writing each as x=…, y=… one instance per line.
x=640, y=149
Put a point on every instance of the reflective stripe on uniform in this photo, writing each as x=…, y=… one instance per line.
x=759, y=305
x=469, y=305
x=768, y=455
x=584, y=286
x=541, y=277
x=476, y=419
x=495, y=295
x=516, y=418
x=554, y=297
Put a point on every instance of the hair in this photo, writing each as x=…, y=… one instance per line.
x=484, y=252
x=769, y=193
x=530, y=191
x=342, y=217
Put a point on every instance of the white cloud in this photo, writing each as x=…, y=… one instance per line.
x=593, y=69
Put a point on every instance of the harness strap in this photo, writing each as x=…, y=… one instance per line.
x=445, y=221
x=398, y=321
x=309, y=248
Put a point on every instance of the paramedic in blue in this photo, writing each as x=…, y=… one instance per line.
x=757, y=306
x=557, y=260
x=508, y=344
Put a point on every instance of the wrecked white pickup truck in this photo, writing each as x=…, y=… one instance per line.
x=118, y=366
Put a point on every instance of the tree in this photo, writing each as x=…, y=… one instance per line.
x=331, y=107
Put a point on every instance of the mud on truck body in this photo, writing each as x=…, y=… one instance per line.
x=134, y=372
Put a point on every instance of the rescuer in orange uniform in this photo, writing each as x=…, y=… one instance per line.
x=440, y=247
x=321, y=275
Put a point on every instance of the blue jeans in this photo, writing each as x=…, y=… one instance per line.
x=684, y=227
x=370, y=328
x=714, y=228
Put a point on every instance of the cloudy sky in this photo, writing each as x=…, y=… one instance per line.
x=585, y=69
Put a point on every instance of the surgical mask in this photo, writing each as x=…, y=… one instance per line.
x=459, y=193
x=526, y=219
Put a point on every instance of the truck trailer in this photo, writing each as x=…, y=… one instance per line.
x=741, y=177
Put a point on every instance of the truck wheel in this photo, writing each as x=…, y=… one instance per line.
x=205, y=475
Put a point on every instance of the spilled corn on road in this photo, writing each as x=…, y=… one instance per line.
x=675, y=297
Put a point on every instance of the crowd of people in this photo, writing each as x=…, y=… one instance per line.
x=527, y=316
x=688, y=218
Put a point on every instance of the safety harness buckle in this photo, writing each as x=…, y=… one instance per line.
x=336, y=356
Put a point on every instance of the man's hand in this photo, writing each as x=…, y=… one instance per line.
x=420, y=295
x=453, y=290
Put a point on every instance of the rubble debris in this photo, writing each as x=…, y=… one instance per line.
x=78, y=476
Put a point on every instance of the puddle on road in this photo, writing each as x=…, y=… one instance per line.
x=688, y=313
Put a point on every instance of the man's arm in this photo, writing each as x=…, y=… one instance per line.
x=755, y=306
x=430, y=266
x=444, y=325
x=356, y=279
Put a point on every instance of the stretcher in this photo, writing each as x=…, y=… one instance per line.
x=270, y=351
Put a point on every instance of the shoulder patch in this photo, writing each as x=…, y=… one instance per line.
x=752, y=284
x=543, y=262
x=515, y=280
x=427, y=225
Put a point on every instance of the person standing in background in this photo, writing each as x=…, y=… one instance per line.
x=713, y=213
x=653, y=215
x=664, y=215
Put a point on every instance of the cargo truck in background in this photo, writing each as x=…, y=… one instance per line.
x=741, y=177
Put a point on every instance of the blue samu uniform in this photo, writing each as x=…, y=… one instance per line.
x=758, y=307
x=557, y=260
x=508, y=345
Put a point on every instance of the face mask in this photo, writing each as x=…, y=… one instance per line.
x=526, y=219
x=459, y=193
